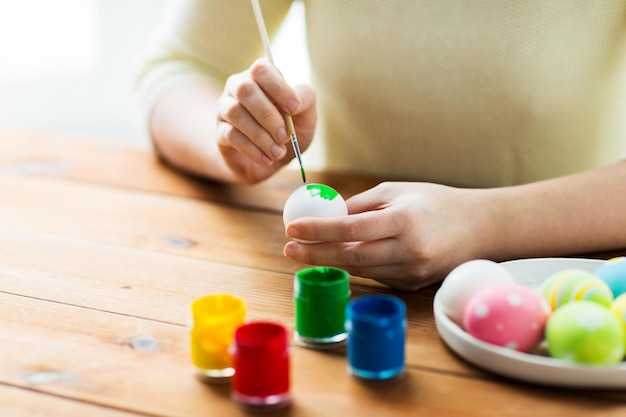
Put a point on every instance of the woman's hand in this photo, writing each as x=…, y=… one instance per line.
x=251, y=131
x=405, y=235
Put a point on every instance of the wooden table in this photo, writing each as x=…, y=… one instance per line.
x=102, y=250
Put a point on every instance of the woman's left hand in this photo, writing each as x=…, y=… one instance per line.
x=405, y=235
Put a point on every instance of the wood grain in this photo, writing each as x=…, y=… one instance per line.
x=85, y=354
x=20, y=402
x=75, y=158
x=161, y=287
x=102, y=250
x=162, y=223
x=189, y=227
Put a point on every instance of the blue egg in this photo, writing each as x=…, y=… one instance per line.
x=613, y=273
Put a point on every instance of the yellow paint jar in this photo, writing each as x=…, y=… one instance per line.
x=215, y=319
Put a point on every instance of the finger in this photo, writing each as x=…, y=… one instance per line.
x=376, y=260
x=237, y=115
x=355, y=255
x=230, y=137
x=245, y=91
x=306, y=117
x=396, y=276
x=372, y=199
x=307, y=96
x=367, y=226
x=269, y=78
x=276, y=92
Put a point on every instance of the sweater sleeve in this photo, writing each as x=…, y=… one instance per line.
x=201, y=40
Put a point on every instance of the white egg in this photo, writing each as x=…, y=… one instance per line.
x=314, y=200
x=467, y=279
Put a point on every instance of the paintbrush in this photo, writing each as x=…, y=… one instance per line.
x=268, y=53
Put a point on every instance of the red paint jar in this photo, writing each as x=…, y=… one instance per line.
x=261, y=362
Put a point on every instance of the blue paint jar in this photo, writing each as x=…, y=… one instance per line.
x=376, y=326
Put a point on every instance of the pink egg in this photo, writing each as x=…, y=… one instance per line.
x=508, y=315
x=466, y=280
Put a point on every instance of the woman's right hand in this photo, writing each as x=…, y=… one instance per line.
x=251, y=132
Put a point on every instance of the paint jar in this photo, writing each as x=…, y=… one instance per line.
x=215, y=319
x=261, y=361
x=376, y=326
x=320, y=298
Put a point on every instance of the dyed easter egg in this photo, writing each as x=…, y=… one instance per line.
x=619, y=309
x=314, y=200
x=510, y=315
x=467, y=279
x=613, y=273
x=585, y=332
x=575, y=285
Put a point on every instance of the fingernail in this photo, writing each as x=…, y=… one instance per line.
x=293, y=106
x=278, y=151
x=288, y=251
x=292, y=231
x=266, y=161
x=282, y=135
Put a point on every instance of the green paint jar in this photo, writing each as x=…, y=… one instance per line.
x=320, y=298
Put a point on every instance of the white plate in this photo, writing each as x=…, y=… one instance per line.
x=524, y=366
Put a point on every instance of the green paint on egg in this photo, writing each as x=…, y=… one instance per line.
x=322, y=190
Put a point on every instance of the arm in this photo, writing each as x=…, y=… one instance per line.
x=201, y=118
x=237, y=135
x=181, y=126
x=408, y=235
x=580, y=213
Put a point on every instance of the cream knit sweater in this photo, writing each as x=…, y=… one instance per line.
x=477, y=93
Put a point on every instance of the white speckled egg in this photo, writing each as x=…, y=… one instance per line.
x=511, y=316
x=314, y=200
x=467, y=279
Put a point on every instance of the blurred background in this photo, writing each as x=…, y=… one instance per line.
x=67, y=66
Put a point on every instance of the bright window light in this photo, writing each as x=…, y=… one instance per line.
x=44, y=38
